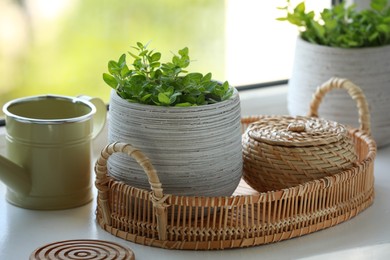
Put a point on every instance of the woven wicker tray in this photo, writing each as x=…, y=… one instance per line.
x=247, y=218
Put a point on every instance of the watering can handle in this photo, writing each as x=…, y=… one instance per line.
x=353, y=90
x=99, y=119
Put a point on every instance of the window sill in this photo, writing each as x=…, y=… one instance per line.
x=264, y=101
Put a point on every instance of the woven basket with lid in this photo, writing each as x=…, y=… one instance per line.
x=283, y=151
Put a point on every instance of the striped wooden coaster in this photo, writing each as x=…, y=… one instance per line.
x=82, y=249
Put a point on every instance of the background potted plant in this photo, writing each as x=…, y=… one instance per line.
x=347, y=43
x=186, y=123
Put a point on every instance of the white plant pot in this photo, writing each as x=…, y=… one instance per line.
x=369, y=68
x=195, y=150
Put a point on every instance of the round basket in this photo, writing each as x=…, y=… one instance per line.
x=247, y=218
x=284, y=151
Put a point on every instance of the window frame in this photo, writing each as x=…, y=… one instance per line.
x=240, y=88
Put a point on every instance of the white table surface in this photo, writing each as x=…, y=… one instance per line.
x=366, y=236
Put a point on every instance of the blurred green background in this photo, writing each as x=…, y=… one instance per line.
x=63, y=46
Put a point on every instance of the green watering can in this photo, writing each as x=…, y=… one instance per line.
x=48, y=150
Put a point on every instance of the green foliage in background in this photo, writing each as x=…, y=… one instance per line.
x=152, y=82
x=342, y=26
x=67, y=53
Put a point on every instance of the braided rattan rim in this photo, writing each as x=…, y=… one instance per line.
x=353, y=90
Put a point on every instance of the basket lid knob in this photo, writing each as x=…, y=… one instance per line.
x=297, y=127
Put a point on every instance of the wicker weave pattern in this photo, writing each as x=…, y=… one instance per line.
x=206, y=223
x=287, y=158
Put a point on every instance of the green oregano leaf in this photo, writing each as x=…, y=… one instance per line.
x=378, y=5
x=185, y=104
x=140, y=45
x=110, y=80
x=164, y=99
x=151, y=81
x=122, y=60
x=146, y=97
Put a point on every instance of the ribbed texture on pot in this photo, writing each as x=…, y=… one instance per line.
x=195, y=150
x=369, y=68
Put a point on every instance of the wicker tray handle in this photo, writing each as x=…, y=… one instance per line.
x=353, y=90
x=102, y=179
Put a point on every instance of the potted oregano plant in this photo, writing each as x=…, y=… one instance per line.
x=186, y=123
x=345, y=42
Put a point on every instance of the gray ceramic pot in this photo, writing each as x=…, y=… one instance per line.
x=195, y=150
x=369, y=68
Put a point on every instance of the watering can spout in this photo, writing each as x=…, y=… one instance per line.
x=14, y=176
